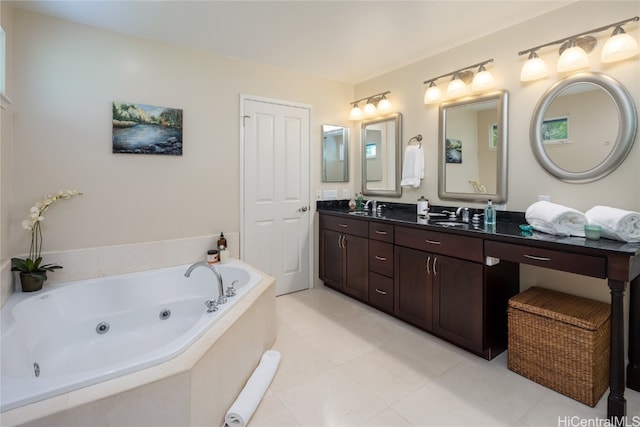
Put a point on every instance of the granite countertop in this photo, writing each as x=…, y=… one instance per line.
x=507, y=225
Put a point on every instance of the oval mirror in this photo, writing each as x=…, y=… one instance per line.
x=583, y=127
x=335, y=153
x=472, y=149
x=381, y=151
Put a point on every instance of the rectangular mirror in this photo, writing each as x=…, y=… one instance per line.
x=335, y=153
x=381, y=156
x=472, y=149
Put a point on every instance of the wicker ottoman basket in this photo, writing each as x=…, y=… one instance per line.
x=560, y=341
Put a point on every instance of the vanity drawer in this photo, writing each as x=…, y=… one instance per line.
x=357, y=227
x=464, y=247
x=381, y=257
x=381, y=292
x=382, y=232
x=587, y=265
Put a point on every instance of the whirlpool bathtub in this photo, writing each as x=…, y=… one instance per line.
x=76, y=334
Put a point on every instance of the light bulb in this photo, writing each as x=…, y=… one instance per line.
x=482, y=81
x=356, y=113
x=456, y=87
x=432, y=94
x=573, y=58
x=384, y=106
x=534, y=69
x=369, y=109
x=619, y=46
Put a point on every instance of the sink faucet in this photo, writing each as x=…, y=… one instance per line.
x=465, y=214
x=211, y=305
x=373, y=205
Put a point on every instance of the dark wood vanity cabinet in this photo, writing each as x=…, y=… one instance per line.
x=465, y=301
x=440, y=293
x=458, y=302
x=434, y=280
x=413, y=287
x=344, y=263
x=381, y=270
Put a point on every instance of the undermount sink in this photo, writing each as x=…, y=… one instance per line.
x=358, y=213
x=457, y=224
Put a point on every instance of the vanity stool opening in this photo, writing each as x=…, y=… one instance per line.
x=560, y=341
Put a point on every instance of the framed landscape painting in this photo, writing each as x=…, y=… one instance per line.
x=146, y=129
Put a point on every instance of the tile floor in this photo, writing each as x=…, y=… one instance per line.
x=347, y=364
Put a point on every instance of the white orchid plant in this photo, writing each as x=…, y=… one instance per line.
x=33, y=264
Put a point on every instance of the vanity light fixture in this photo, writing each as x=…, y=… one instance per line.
x=573, y=57
x=432, y=94
x=369, y=109
x=574, y=50
x=619, y=46
x=534, y=69
x=355, y=113
x=456, y=87
x=380, y=99
x=384, y=105
x=483, y=80
x=459, y=81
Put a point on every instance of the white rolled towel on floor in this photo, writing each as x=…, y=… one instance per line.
x=617, y=224
x=553, y=218
x=251, y=395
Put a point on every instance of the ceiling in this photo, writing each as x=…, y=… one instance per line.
x=346, y=41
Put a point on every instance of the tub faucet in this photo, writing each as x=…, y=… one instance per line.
x=221, y=298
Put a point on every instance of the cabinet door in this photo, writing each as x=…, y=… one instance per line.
x=333, y=269
x=458, y=301
x=356, y=261
x=413, y=287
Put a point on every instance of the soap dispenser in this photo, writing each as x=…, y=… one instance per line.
x=490, y=215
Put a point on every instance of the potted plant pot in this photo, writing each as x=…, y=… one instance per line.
x=31, y=282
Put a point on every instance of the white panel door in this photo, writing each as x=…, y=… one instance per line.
x=275, y=232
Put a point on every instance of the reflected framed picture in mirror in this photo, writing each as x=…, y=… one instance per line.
x=454, y=150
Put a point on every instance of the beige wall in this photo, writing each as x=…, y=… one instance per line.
x=5, y=141
x=67, y=76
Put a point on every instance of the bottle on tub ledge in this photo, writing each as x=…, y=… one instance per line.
x=222, y=248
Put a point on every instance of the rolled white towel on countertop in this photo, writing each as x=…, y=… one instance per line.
x=251, y=395
x=553, y=218
x=617, y=224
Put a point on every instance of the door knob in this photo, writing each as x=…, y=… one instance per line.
x=303, y=209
